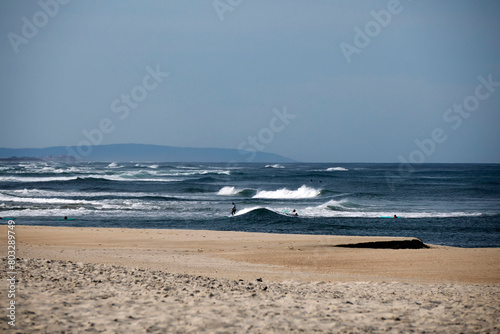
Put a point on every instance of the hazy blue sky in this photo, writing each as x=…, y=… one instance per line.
x=349, y=81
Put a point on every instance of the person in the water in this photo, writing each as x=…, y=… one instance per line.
x=233, y=210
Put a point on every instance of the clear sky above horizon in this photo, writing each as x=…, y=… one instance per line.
x=319, y=81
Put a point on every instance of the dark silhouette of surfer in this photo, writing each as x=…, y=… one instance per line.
x=233, y=210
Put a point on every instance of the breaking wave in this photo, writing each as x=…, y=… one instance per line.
x=275, y=166
x=284, y=193
x=337, y=169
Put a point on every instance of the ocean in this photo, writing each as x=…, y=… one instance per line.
x=442, y=204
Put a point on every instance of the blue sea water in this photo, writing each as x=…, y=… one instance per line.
x=443, y=204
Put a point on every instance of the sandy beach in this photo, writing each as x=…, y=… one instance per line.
x=182, y=281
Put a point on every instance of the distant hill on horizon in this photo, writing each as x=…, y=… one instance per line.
x=141, y=152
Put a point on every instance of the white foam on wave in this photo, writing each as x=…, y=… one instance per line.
x=52, y=170
x=37, y=179
x=36, y=192
x=228, y=191
x=275, y=166
x=187, y=167
x=194, y=172
x=62, y=194
x=42, y=200
x=137, y=174
x=337, y=169
x=43, y=168
x=128, y=205
x=47, y=169
x=129, y=176
x=66, y=170
x=28, y=165
x=55, y=213
x=343, y=211
x=284, y=193
x=119, y=205
x=142, y=179
x=247, y=210
x=113, y=165
x=219, y=171
x=333, y=203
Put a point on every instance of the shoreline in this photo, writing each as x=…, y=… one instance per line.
x=246, y=255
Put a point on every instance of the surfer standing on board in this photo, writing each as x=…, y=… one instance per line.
x=233, y=210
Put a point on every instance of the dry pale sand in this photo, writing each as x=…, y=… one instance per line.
x=181, y=281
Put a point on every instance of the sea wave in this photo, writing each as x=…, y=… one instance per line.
x=231, y=191
x=260, y=210
x=340, y=205
x=51, y=215
x=98, y=195
x=256, y=210
x=228, y=191
x=114, y=165
x=36, y=179
x=151, y=166
x=247, y=210
x=195, y=172
x=146, y=203
x=43, y=169
x=284, y=193
x=348, y=209
x=274, y=166
x=337, y=169
x=42, y=200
